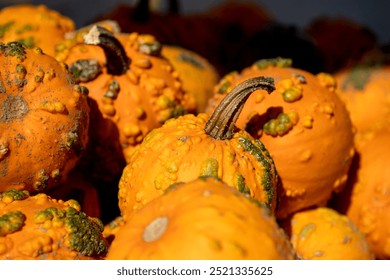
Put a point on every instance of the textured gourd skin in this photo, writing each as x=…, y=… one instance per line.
x=127, y=106
x=180, y=151
x=44, y=119
x=197, y=74
x=365, y=90
x=324, y=234
x=366, y=200
x=201, y=219
x=313, y=145
x=47, y=228
x=34, y=25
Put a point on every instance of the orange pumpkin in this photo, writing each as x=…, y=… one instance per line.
x=34, y=26
x=40, y=227
x=133, y=89
x=201, y=219
x=365, y=90
x=192, y=69
x=190, y=146
x=324, y=234
x=44, y=119
x=304, y=125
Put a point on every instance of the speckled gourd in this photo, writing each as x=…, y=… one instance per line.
x=366, y=200
x=44, y=119
x=324, y=234
x=34, y=26
x=133, y=89
x=190, y=146
x=201, y=219
x=365, y=90
x=39, y=227
x=304, y=125
x=198, y=75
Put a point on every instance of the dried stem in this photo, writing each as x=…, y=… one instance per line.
x=222, y=122
x=117, y=62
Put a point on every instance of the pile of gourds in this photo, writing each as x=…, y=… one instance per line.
x=116, y=146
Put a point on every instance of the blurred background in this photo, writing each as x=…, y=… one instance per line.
x=318, y=35
x=373, y=14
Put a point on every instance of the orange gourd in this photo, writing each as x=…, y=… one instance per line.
x=34, y=26
x=44, y=119
x=133, y=89
x=201, y=219
x=197, y=74
x=366, y=199
x=365, y=90
x=39, y=227
x=190, y=146
x=304, y=125
x=324, y=234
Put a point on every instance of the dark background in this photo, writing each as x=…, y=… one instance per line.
x=372, y=13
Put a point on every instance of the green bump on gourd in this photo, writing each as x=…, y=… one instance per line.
x=279, y=126
x=14, y=49
x=261, y=154
x=241, y=186
x=209, y=168
x=11, y=222
x=273, y=62
x=84, y=232
x=15, y=194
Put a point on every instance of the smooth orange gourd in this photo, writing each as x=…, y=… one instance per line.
x=201, y=219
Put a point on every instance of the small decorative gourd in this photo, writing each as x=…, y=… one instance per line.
x=365, y=90
x=201, y=219
x=133, y=89
x=366, y=200
x=34, y=26
x=44, y=119
x=39, y=227
x=198, y=75
x=190, y=146
x=305, y=127
x=324, y=234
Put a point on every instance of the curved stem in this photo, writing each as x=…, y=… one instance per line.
x=222, y=122
x=117, y=61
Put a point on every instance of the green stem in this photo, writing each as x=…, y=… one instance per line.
x=222, y=122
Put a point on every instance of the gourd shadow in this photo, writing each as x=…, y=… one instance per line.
x=103, y=162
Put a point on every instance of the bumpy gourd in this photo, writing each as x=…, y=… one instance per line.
x=366, y=199
x=304, y=125
x=190, y=146
x=34, y=26
x=365, y=90
x=324, y=234
x=44, y=119
x=197, y=74
x=132, y=87
x=39, y=227
x=201, y=219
